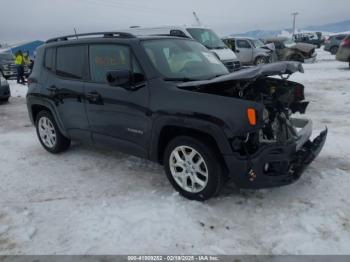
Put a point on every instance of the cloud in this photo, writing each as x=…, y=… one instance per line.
x=41, y=19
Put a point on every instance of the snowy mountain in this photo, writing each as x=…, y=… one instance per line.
x=333, y=27
x=342, y=26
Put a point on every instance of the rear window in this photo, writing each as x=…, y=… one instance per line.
x=340, y=37
x=49, y=58
x=70, y=61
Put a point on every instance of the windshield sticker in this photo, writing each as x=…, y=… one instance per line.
x=211, y=58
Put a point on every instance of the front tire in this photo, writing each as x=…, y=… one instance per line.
x=4, y=100
x=193, y=168
x=260, y=60
x=49, y=134
x=334, y=50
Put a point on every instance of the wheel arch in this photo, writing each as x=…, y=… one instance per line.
x=205, y=132
x=36, y=105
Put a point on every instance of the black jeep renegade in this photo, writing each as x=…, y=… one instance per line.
x=172, y=101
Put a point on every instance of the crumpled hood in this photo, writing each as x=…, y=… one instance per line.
x=225, y=54
x=273, y=69
x=303, y=47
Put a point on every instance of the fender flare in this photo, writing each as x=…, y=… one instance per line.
x=199, y=125
x=33, y=100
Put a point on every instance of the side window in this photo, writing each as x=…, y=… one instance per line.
x=177, y=33
x=104, y=58
x=70, y=61
x=341, y=37
x=243, y=44
x=278, y=45
x=230, y=44
x=49, y=59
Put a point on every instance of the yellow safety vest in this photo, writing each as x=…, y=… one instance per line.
x=26, y=60
x=19, y=60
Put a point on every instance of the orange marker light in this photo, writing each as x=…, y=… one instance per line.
x=251, y=116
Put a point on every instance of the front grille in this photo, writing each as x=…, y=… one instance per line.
x=233, y=65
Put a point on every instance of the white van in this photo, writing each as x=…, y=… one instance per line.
x=205, y=36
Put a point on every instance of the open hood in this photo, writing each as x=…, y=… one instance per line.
x=274, y=69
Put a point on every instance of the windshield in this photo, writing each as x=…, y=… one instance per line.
x=288, y=42
x=183, y=60
x=6, y=56
x=258, y=43
x=207, y=38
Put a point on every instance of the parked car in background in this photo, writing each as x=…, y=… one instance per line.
x=343, y=53
x=288, y=50
x=5, y=92
x=8, y=68
x=205, y=36
x=249, y=51
x=332, y=43
x=309, y=38
x=172, y=101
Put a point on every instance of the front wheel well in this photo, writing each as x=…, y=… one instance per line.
x=170, y=132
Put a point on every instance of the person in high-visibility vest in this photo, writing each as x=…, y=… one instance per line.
x=19, y=61
x=26, y=59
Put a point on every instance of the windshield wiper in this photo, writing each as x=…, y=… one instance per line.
x=182, y=79
x=216, y=76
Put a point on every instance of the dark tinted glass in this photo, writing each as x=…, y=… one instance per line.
x=70, y=61
x=104, y=58
x=243, y=44
x=340, y=37
x=49, y=58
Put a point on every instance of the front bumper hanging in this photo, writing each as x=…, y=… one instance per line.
x=276, y=165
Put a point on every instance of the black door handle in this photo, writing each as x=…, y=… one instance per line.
x=52, y=88
x=93, y=96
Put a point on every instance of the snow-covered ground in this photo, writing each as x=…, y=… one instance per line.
x=94, y=201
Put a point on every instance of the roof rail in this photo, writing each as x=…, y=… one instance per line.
x=103, y=34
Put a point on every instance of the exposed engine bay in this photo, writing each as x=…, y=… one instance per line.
x=280, y=97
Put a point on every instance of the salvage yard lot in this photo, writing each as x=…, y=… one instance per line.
x=91, y=200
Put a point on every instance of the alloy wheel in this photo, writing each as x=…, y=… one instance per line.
x=188, y=168
x=47, y=132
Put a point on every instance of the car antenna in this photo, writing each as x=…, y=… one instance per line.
x=75, y=32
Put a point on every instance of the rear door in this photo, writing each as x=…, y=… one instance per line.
x=66, y=68
x=117, y=117
x=244, y=51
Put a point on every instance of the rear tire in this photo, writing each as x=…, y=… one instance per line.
x=49, y=134
x=334, y=50
x=4, y=100
x=193, y=168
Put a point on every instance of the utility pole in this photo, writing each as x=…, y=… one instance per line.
x=294, y=21
x=197, y=19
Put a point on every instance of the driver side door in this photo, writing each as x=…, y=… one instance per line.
x=118, y=116
x=244, y=51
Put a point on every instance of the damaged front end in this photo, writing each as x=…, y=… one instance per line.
x=279, y=148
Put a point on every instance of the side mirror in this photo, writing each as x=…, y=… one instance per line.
x=119, y=77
